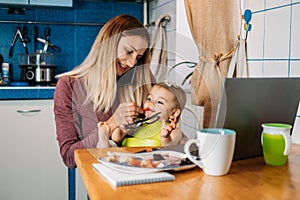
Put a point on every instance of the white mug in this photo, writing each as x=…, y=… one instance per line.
x=215, y=148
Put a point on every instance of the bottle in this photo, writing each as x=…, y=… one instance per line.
x=5, y=73
x=1, y=82
x=1, y=61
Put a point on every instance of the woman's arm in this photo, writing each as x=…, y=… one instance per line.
x=68, y=123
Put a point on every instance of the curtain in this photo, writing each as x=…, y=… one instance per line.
x=158, y=48
x=214, y=25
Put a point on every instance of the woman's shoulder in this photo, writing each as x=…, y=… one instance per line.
x=64, y=86
x=65, y=83
x=65, y=80
x=70, y=88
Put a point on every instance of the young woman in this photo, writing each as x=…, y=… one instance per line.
x=98, y=90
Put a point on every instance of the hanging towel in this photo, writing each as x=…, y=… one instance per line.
x=238, y=63
x=158, y=50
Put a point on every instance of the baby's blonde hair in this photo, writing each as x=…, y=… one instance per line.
x=178, y=92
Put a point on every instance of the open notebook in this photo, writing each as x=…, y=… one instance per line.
x=118, y=178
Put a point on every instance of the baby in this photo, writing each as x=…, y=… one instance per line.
x=166, y=98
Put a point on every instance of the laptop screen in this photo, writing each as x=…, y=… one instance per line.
x=246, y=103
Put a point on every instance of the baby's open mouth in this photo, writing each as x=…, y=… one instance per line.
x=148, y=112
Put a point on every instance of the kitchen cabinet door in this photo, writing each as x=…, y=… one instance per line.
x=31, y=166
x=18, y=2
x=63, y=3
x=55, y=3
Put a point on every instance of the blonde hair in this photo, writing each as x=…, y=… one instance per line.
x=98, y=70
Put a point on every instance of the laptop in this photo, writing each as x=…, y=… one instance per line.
x=246, y=103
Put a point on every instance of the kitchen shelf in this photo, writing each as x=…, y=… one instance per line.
x=52, y=23
x=40, y=3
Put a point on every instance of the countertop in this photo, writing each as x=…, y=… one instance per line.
x=26, y=92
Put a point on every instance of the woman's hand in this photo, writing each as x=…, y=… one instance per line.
x=125, y=114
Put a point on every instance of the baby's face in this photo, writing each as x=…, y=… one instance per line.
x=160, y=100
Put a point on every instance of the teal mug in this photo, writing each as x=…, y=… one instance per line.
x=276, y=143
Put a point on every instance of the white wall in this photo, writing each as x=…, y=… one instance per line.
x=273, y=42
x=273, y=45
x=181, y=47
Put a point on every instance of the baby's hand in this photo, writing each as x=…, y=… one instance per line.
x=103, y=135
x=118, y=135
x=167, y=128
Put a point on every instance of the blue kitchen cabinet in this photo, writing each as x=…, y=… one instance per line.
x=55, y=3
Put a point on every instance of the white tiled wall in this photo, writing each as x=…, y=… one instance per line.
x=274, y=38
x=273, y=42
x=181, y=47
x=256, y=37
x=295, y=31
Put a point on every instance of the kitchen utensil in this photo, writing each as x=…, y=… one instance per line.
x=38, y=67
x=35, y=34
x=1, y=60
x=47, y=43
x=25, y=34
x=22, y=39
x=47, y=32
x=13, y=44
x=143, y=121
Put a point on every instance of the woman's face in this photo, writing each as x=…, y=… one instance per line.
x=130, y=49
x=160, y=100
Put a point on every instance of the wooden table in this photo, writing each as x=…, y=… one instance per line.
x=247, y=179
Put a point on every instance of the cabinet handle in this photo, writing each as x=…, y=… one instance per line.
x=29, y=111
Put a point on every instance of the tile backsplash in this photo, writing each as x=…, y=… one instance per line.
x=72, y=29
x=273, y=44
